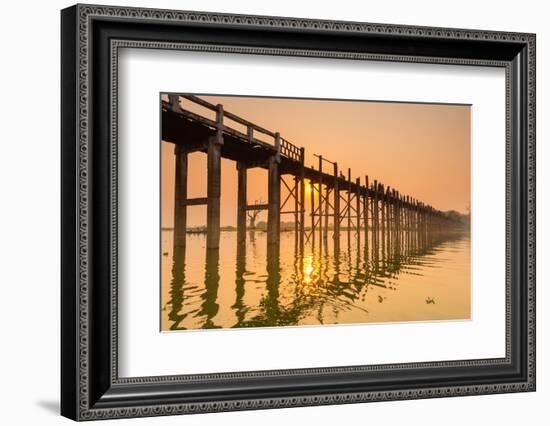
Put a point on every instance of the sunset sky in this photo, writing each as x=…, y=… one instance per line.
x=422, y=150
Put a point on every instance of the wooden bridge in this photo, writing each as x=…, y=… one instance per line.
x=377, y=214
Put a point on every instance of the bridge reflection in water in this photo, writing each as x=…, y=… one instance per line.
x=259, y=287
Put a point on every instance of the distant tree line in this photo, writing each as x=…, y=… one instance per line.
x=458, y=217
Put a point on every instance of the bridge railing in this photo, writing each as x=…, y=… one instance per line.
x=287, y=149
x=291, y=151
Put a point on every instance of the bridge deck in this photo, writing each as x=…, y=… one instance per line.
x=192, y=130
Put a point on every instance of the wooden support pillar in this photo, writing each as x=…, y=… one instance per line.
x=326, y=212
x=296, y=210
x=241, y=203
x=388, y=218
x=375, y=215
x=336, y=208
x=358, y=210
x=213, y=213
x=422, y=225
x=349, y=205
x=302, y=199
x=408, y=225
x=399, y=219
x=416, y=224
x=405, y=227
x=180, y=196
x=274, y=195
x=312, y=202
x=405, y=223
x=320, y=193
x=412, y=223
x=366, y=213
x=383, y=219
x=396, y=217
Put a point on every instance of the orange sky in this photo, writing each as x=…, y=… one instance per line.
x=422, y=150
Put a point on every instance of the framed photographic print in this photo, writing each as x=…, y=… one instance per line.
x=263, y=212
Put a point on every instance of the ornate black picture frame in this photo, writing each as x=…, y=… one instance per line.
x=91, y=387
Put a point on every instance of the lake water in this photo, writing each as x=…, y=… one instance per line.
x=224, y=289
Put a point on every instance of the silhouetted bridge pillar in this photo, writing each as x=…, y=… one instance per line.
x=274, y=195
x=213, y=191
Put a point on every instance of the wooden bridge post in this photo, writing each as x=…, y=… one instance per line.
x=428, y=222
x=399, y=221
x=358, y=210
x=422, y=224
x=395, y=196
x=413, y=224
x=405, y=207
x=396, y=216
x=302, y=198
x=349, y=205
x=296, y=210
x=274, y=195
x=408, y=223
x=241, y=203
x=327, y=211
x=416, y=224
x=366, y=213
x=312, y=202
x=375, y=215
x=383, y=219
x=213, y=216
x=320, y=193
x=180, y=198
x=389, y=218
x=336, y=208
x=426, y=218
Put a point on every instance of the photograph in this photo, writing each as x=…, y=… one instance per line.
x=281, y=212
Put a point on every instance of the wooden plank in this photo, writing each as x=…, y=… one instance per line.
x=257, y=207
x=195, y=201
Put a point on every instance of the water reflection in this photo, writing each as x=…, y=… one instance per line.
x=396, y=278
